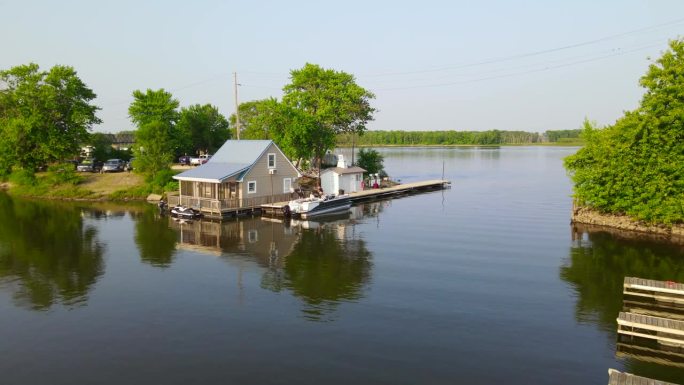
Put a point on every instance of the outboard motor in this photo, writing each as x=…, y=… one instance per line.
x=162, y=206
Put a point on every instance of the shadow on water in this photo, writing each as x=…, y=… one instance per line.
x=48, y=255
x=324, y=263
x=596, y=267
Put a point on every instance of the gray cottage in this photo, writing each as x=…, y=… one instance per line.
x=242, y=175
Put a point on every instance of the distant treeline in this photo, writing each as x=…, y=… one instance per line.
x=430, y=138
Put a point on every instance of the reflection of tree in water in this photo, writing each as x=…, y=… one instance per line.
x=156, y=241
x=324, y=270
x=47, y=255
x=596, y=271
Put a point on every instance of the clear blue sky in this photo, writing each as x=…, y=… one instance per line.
x=433, y=65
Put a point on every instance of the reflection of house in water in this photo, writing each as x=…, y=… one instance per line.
x=324, y=263
x=251, y=236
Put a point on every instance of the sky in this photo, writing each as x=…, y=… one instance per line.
x=532, y=65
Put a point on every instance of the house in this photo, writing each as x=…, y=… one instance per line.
x=241, y=176
x=342, y=179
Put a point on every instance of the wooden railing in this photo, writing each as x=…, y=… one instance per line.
x=217, y=206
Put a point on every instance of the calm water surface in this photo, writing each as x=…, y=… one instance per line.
x=479, y=284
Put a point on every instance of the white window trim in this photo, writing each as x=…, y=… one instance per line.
x=255, y=187
x=286, y=190
x=268, y=158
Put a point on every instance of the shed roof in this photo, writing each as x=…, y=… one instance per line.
x=347, y=170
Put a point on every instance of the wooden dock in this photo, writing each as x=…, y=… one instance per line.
x=619, y=378
x=660, y=291
x=659, y=354
x=663, y=330
x=377, y=193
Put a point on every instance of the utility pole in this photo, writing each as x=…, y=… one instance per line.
x=237, y=106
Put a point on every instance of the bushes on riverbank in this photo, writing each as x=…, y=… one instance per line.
x=636, y=166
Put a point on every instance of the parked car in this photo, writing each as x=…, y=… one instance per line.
x=89, y=165
x=184, y=160
x=113, y=165
x=202, y=159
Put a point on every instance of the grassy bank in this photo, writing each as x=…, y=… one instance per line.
x=70, y=185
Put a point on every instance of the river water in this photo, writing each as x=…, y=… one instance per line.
x=483, y=283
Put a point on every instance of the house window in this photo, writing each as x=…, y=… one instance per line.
x=287, y=185
x=253, y=236
x=271, y=161
x=251, y=187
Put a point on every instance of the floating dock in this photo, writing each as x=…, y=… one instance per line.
x=661, y=291
x=619, y=378
x=377, y=193
x=663, y=330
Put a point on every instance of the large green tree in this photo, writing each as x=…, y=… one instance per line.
x=202, y=129
x=255, y=118
x=155, y=113
x=636, y=166
x=333, y=102
x=44, y=115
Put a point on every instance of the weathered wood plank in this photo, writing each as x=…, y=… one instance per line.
x=618, y=378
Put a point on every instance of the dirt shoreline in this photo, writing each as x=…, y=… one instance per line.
x=624, y=226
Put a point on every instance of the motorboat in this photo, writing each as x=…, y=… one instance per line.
x=315, y=206
x=185, y=212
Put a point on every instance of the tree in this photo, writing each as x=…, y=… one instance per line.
x=157, y=138
x=202, y=129
x=102, y=145
x=44, y=116
x=636, y=166
x=254, y=118
x=371, y=161
x=333, y=102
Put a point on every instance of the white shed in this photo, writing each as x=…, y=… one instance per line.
x=341, y=177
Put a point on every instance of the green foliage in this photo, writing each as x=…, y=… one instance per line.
x=324, y=103
x=562, y=135
x=636, y=166
x=202, y=129
x=256, y=119
x=157, y=138
x=44, y=116
x=153, y=106
x=439, y=138
x=62, y=173
x=23, y=177
x=370, y=160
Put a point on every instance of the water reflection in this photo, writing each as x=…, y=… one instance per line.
x=324, y=263
x=596, y=267
x=47, y=254
x=155, y=240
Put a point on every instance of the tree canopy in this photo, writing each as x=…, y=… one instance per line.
x=329, y=102
x=157, y=138
x=44, y=115
x=202, y=129
x=636, y=166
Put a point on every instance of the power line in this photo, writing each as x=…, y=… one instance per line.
x=534, y=53
x=517, y=73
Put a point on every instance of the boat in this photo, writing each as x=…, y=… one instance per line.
x=313, y=207
x=185, y=212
